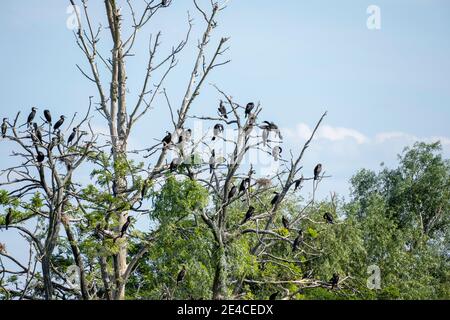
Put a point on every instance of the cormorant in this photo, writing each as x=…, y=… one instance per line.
x=285, y=222
x=222, y=110
x=174, y=164
x=274, y=296
x=244, y=183
x=167, y=139
x=212, y=161
x=125, y=227
x=298, y=183
x=31, y=116
x=276, y=152
x=37, y=133
x=53, y=143
x=72, y=135
x=334, y=281
x=48, y=116
x=327, y=216
x=114, y=188
x=4, y=127
x=181, y=274
x=8, y=218
x=317, y=171
x=248, y=215
x=275, y=199
x=270, y=126
x=232, y=192
x=218, y=129
x=249, y=108
x=59, y=123
x=297, y=241
x=40, y=157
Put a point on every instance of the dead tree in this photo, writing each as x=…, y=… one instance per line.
x=251, y=134
x=113, y=106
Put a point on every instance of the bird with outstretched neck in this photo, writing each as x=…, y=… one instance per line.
x=59, y=123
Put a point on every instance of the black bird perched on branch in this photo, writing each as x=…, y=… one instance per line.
x=125, y=227
x=53, y=143
x=48, y=116
x=218, y=129
x=270, y=126
x=174, y=164
x=275, y=199
x=222, y=110
x=298, y=183
x=334, y=280
x=4, y=127
x=40, y=157
x=8, y=218
x=317, y=171
x=37, y=132
x=167, y=139
x=31, y=116
x=232, y=192
x=114, y=188
x=244, y=184
x=297, y=241
x=59, y=123
x=276, y=152
x=248, y=215
x=181, y=274
x=212, y=161
x=72, y=135
x=274, y=296
x=327, y=216
x=249, y=108
x=285, y=222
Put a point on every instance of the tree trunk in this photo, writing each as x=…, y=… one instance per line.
x=48, y=286
x=220, y=283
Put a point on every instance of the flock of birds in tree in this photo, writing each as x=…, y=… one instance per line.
x=38, y=140
x=267, y=127
x=37, y=136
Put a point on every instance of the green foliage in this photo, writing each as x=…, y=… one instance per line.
x=403, y=217
x=396, y=219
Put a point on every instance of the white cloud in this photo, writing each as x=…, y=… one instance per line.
x=326, y=132
x=338, y=134
x=384, y=137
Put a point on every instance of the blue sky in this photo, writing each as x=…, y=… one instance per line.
x=383, y=89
